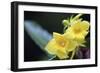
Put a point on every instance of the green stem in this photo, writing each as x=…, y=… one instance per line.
x=73, y=53
x=52, y=58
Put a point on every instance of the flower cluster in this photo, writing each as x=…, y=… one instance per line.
x=75, y=31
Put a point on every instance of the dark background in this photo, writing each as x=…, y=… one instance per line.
x=52, y=22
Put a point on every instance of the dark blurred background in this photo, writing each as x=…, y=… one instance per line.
x=50, y=21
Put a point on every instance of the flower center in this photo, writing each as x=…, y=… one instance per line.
x=62, y=44
x=77, y=30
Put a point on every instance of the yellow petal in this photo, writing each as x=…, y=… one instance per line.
x=84, y=33
x=69, y=33
x=60, y=40
x=71, y=46
x=51, y=47
x=76, y=23
x=79, y=37
x=85, y=25
x=62, y=54
x=58, y=37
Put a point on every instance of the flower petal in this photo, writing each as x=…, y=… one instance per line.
x=61, y=53
x=58, y=37
x=84, y=33
x=69, y=33
x=71, y=46
x=85, y=25
x=51, y=47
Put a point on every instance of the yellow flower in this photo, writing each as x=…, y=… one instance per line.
x=78, y=31
x=60, y=46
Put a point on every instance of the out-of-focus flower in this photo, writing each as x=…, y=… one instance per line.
x=60, y=46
